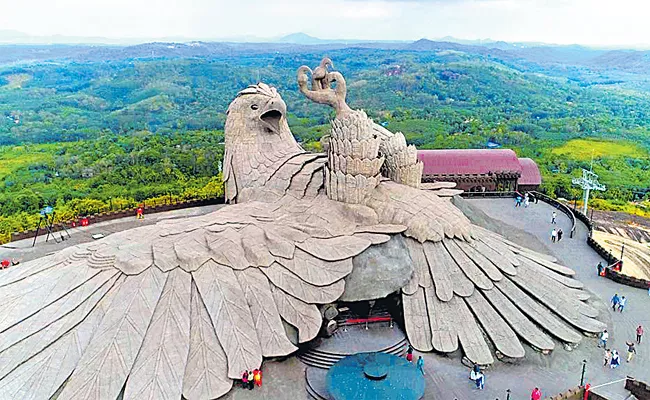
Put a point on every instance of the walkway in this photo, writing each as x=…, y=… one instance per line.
x=22, y=250
x=562, y=370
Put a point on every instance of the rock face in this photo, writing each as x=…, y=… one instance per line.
x=379, y=271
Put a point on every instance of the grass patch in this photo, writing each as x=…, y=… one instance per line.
x=16, y=81
x=584, y=149
x=13, y=158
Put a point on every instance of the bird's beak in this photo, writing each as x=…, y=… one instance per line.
x=272, y=114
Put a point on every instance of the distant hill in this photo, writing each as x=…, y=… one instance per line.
x=581, y=64
x=301, y=38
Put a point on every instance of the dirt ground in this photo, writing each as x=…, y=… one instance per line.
x=628, y=226
x=636, y=256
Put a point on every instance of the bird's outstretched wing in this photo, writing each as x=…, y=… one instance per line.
x=474, y=289
x=181, y=307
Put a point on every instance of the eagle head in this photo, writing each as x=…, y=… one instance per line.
x=256, y=132
x=256, y=111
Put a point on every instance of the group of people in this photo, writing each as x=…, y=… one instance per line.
x=250, y=379
x=618, y=303
x=612, y=357
x=556, y=233
x=409, y=357
x=526, y=200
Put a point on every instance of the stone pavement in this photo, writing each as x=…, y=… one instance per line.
x=562, y=369
x=23, y=251
x=446, y=378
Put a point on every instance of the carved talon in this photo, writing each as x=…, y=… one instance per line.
x=321, y=91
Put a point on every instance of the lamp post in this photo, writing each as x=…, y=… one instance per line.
x=584, y=367
x=622, y=250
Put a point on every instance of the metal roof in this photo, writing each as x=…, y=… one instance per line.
x=475, y=161
x=530, y=174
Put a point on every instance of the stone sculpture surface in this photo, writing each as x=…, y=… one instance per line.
x=184, y=306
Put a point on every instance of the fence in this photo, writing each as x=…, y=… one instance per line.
x=487, y=194
x=149, y=208
x=614, y=269
x=639, y=389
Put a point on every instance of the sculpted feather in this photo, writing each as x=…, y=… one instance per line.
x=286, y=244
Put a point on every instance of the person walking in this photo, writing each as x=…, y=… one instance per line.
x=616, y=360
x=621, y=303
x=409, y=354
x=526, y=202
x=553, y=216
x=420, y=364
x=553, y=235
x=604, y=336
x=631, y=351
x=608, y=357
x=615, y=301
x=244, y=380
x=536, y=394
x=559, y=234
x=477, y=376
x=639, y=334
x=251, y=380
x=518, y=201
x=601, y=268
x=257, y=377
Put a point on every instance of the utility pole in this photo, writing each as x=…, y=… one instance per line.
x=588, y=182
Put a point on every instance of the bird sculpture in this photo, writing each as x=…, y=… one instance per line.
x=183, y=307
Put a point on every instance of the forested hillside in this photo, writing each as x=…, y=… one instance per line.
x=122, y=130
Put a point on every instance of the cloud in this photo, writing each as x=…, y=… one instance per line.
x=591, y=22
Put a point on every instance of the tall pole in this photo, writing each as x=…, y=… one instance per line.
x=588, y=182
x=584, y=367
x=622, y=251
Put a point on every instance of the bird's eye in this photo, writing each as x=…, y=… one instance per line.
x=254, y=106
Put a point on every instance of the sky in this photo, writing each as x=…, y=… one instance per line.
x=587, y=22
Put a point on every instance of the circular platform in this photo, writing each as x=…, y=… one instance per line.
x=375, y=370
x=374, y=376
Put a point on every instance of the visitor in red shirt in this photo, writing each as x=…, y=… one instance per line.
x=536, y=395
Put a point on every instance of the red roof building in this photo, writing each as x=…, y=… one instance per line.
x=530, y=175
x=480, y=170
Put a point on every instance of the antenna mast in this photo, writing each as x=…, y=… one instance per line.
x=588, y=182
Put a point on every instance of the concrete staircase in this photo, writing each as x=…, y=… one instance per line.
x=322, y=359
x=376, y=337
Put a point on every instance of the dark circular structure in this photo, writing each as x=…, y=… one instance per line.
x=374, y=376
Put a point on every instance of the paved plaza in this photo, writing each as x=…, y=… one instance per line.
x=446, y=378
x=562, y=370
